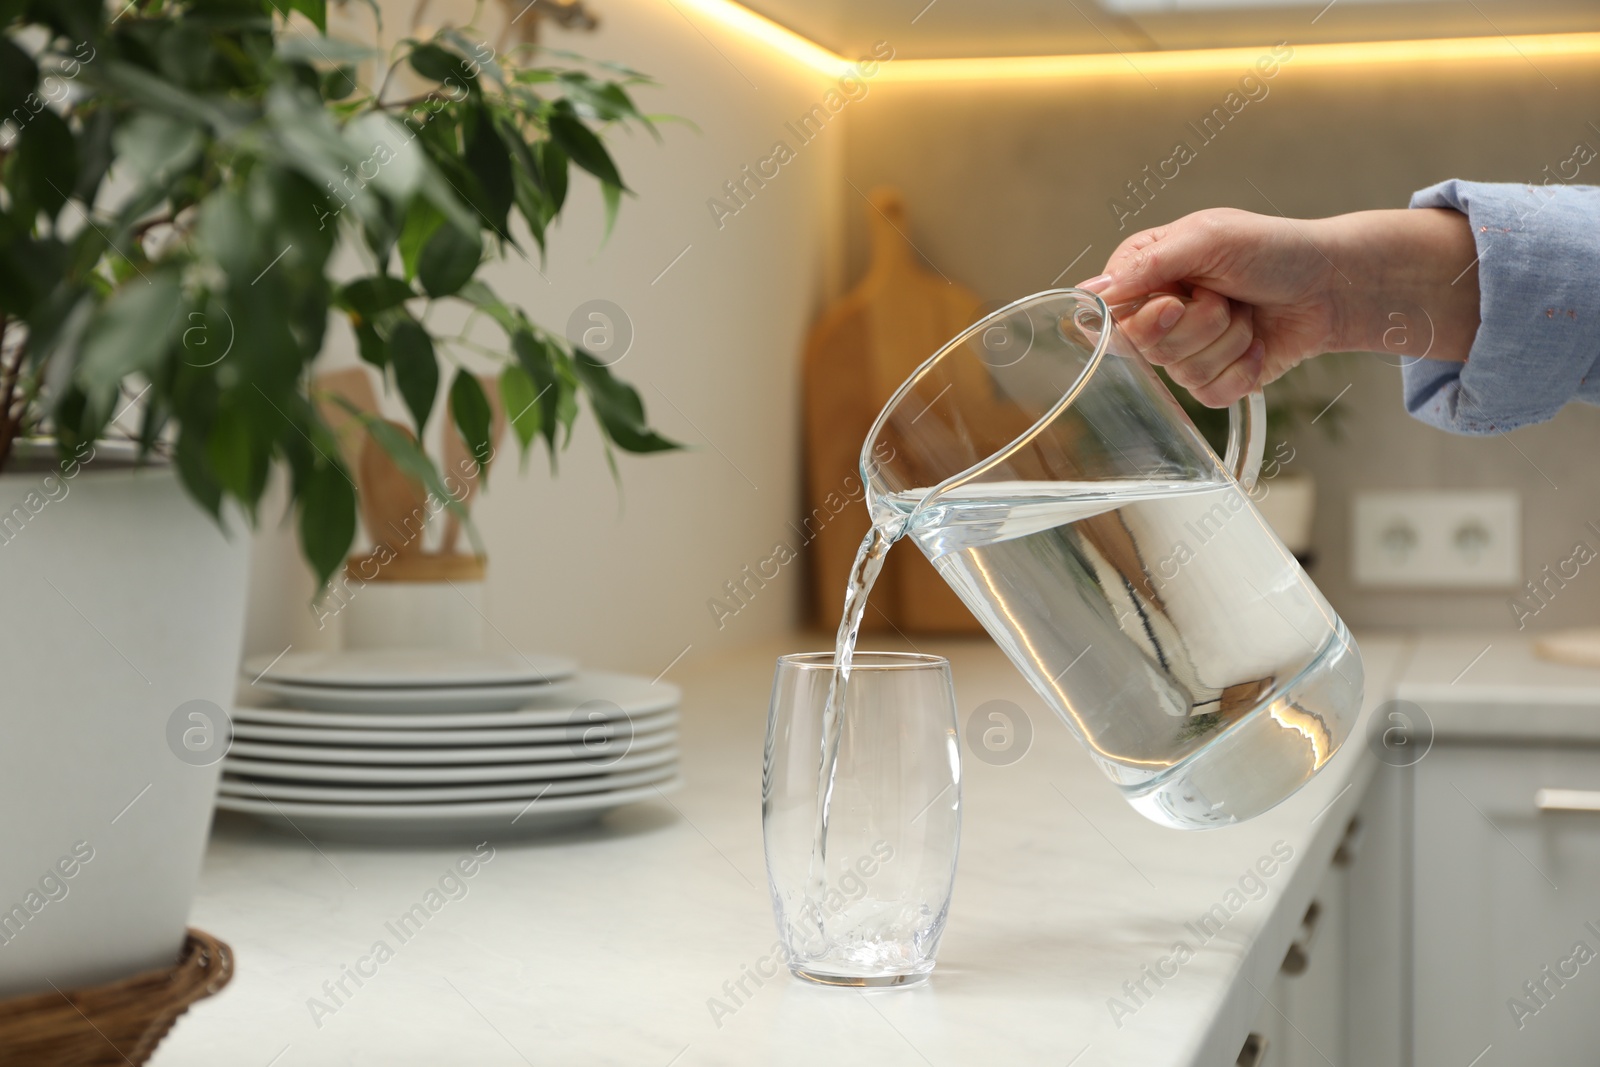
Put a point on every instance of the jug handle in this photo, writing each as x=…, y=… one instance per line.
x=1247, y=439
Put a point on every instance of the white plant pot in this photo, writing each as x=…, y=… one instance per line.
x=123, y=601
x=445, y=615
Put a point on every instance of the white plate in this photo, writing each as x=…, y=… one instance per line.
x=577, y=729
x=257, y=788
x=426, y=700
x=457, y=775
x=597, y=694
x=408, y=668
x=491, y=820
x=593, y=752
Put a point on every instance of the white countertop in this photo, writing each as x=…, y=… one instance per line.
x=1492, y=686
x=606, y=947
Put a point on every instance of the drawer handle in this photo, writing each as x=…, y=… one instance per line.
x=1298, y=958
x=1254, y=1052
x=1567, y=800
x=1345, y=854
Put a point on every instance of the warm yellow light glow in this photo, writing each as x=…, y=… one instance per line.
x=780, y=38
x=1133, y=64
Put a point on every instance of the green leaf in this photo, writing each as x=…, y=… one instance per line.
x=18, y=76
x=80, y=20
x=606, y=102
x=441, y=65
x=77, y=420
x=472, y=413
x=31, y=272
x=229, y=236
x=17, y=291
x=618, y=408
x=530, y=200
x=581, y=145
x=421, y=220
x=370, y=346
x=300, y=133
x=367, y=297
x=416, y=369
x=228, y=450
x=489, y=160
x=94, y=153
x=519, y=397
x=151, y=91
x=412, y=460
x=44, y=169
x=528, y=191
x=130, y=334
x=291, y=212
x=567, y=409
x=315, y=10
x=327, y=518
x=448, y=260
x=482, y=297
x=553, y=175
x=189, y=456
x=537, y=360
x=295, y=48
x=612, y=195
x=157, y=146
x=475, y=53
x=391, y=160
x=603, y=64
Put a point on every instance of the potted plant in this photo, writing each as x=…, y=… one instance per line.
x=177, y=176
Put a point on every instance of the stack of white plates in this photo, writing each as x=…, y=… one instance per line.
x=414, y=745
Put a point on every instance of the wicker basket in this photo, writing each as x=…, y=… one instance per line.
x=118, y=1023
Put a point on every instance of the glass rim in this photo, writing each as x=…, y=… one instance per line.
x=862, y=661
x=999, y=455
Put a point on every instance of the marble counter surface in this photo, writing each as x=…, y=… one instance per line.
x=1491, y=686
x=628, y=944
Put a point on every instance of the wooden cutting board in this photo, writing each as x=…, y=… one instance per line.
x=858, y=354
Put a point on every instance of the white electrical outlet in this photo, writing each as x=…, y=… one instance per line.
x=1436, y=539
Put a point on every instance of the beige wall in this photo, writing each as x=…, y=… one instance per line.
x=1008, y=182
x=573, y=568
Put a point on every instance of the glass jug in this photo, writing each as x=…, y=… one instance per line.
x=1060, y=490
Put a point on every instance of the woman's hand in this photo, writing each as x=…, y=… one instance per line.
x=1237, y=299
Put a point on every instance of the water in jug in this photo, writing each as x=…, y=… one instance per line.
x=1056, y=485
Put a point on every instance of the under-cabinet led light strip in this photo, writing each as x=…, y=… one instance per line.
x=986, y=68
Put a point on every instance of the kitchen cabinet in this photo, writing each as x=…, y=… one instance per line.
x=1378, y=937
x=1312, y=979
x=1299, y=1022
x=1340, y=996
x=1302, y=1016
x=1505, y=911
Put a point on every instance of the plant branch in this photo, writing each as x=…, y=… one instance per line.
x=464, y=342
x=377, y=98
x=8, y=425
x=401, y=105
x=149, y=224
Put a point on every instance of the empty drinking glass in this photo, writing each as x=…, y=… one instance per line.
x=865, y=905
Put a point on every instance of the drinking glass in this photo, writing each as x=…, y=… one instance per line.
x=869, y=909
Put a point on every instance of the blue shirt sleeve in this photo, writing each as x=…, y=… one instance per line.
x=1539, y=304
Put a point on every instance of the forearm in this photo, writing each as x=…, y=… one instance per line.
x=1404, y=281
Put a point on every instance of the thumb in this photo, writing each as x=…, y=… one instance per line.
x=1153, y=261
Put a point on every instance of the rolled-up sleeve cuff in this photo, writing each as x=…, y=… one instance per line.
x=1539, y=304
